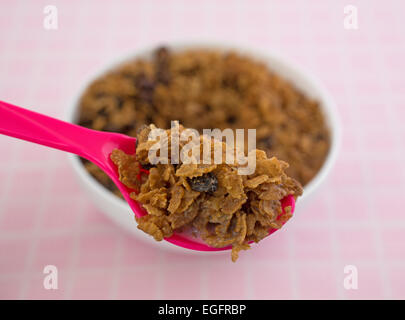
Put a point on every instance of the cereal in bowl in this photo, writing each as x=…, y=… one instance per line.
x=208, y=88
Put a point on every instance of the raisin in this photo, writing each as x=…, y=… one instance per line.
x=148, y=166
x=102, y=112
x=162, y=76
x=320, y=136
x=99, y=95
x=149, y=119
x=120, y=102
x=231, y=119
x=162, y=56
x=231, y=83
x=206, y=183
x=146, y=88
x=266, y=143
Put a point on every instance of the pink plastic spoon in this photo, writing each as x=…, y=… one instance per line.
x=95, y=146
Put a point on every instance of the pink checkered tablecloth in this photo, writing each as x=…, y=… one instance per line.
x=356, y=219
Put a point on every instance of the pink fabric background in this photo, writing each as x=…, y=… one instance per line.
x=356, y=219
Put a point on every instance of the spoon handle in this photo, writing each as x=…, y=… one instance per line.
x=34, y=127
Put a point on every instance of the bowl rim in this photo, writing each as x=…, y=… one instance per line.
x=270, y=58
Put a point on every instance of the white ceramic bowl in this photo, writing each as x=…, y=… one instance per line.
x=118, y=210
